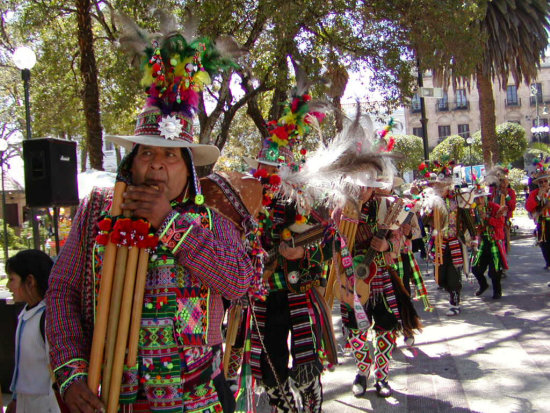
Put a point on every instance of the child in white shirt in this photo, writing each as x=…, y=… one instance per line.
x=28, y=272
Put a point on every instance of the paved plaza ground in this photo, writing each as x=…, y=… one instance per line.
x=493, y=357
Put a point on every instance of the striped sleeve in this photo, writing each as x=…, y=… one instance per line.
x=68, y=347
x=216, y=256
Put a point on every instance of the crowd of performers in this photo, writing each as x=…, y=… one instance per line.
x=325, y=226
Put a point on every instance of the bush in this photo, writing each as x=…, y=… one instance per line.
x=515, y=177
x=412, y=149
x=14, y=242
x=452, y=148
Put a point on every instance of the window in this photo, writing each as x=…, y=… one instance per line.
x=512, y=96
x=415, y=103
x=461, y=101
x=443, y=103
x=444, y=131
x=418, y=132
x=536, y=93
x=464, y=130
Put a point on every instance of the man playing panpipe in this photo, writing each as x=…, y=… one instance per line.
x=198, y=258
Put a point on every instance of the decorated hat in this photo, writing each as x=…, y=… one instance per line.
x=541, y=168
x=437, y=172
x=175, y=68
x=300, y=113
x=496, y=174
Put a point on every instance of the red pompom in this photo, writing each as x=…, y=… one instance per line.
x=102, y=239
x=105, y=224
x=303, y=151
x=275, y=180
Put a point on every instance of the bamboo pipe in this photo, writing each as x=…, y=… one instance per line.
x=104, y=296
x=135, y=325
x=123, y=328
x=348, y=229
x=234, y=322
x=112, y=326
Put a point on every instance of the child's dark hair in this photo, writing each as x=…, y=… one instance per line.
x=33, y=262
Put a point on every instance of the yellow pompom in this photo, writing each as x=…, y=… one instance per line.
x=179, y=70
x=201, y=79
x=147, y=79
x=286, y=235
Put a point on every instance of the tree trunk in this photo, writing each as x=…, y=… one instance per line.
x=83, y=157
x=487, y=116
x=88, y=71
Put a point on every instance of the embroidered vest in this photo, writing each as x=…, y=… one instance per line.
x=173, y=356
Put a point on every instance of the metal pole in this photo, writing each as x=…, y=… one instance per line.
x=6, y=248
x=26, y=76
x=423, y=120
x=56, y=228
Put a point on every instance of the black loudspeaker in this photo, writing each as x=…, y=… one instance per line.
x=50, y=172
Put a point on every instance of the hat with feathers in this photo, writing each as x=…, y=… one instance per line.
x=176, y=65
x=496, y=174
x=541, y=168
x=300, y=115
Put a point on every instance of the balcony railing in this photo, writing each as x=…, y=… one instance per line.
x=512, y=102
x=416, y=108
x=461, y=105
x=442, y=106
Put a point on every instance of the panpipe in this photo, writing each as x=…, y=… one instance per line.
x=118, y=317
x=348, y=229
x=438, y=243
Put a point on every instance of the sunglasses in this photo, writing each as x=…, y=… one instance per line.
x=544, y=181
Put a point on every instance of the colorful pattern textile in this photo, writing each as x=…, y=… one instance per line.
x=279, y=401
x=384, y=345
x=182, y=311
x=456, y=251
x=260, y=309
x=312, y=395
x=358, y=341
x=381, y=289
x=302, y=335
x=420, y=287
x=496, y=248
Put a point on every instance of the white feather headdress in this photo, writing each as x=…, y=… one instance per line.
x=335, y=173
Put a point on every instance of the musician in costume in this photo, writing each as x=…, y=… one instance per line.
x=292, y=275
x=491, y=252
x=503, y=194
x=538, y=205
x=197, y=256
x=452, y=227
x=386, y=308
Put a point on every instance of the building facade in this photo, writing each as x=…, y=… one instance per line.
x=457, y=113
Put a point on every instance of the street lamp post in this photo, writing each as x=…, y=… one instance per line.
x=3, y=147
x=25, y=59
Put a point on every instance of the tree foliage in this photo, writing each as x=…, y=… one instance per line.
x=412, y=149
x=511, y=141
x=451, y=148
x=324, y=37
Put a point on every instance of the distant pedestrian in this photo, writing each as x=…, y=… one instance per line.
x=28, y=272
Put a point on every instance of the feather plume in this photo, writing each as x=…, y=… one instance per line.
x=190, y=26
x=335, y=173
x=302, y=81
x=133, y=39
x=229, y=48
x=167, y=22
x=495, y=174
